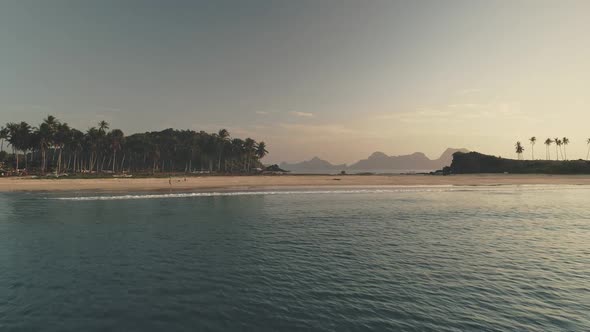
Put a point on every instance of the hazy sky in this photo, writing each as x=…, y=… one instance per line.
x=337, y=79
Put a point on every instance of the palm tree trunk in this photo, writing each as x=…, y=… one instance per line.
x=94, y=165
x=59, y=162
x=43, y=159
x=561, y=153
x=15, y=159
x=102, y=163
x=122, y=163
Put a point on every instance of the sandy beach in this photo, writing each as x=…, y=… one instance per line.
x=284, y=181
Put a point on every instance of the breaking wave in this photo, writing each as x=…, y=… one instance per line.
x=398, y=189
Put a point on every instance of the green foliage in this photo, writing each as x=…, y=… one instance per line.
x=54, y=146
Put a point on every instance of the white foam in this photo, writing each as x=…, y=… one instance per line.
x=254, y=193
x=381, y=190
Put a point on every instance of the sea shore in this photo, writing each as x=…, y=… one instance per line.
x=280, y=181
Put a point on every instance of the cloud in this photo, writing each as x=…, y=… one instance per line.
x=460, y=112
x=108, y=109
x=465, y=105
x=29, y=107
x=302, y=114
x=322, y=129
x=293, y=113
x=415, y=116
x=468, y=91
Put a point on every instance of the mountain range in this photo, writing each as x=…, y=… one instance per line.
x=377, y=161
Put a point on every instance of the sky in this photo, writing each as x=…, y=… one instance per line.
x=337, y=79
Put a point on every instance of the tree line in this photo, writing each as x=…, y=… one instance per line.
x=54, y=146
x=560, y=148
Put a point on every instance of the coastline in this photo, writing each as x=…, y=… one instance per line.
x=282, y=181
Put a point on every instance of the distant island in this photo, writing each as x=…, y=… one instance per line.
x=377, y=161
x=474, y=162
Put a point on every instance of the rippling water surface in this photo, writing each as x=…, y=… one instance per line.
x=402, y=259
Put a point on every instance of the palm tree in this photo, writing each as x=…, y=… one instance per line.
x=261, y=150
x=557, y=146
x=533, y=140
x=210, y=146
x=75, y=146
x=155, y=152
x=116, y=138
x=588, y=154
x=92, y=138
x=547, y=150
x=565, y=142
x=223, y=138
x=12, y=138
x=3, y=136
x=54, y=145
x=60, y=138
x=45, y=138
x=101, y=144
x=194, y=146
x=103, y=126
x=51, y=120
x=19, y=137
x=249, y=147
x=519, y=150
x=237, y=150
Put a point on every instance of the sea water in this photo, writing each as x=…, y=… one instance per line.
x=397, y=258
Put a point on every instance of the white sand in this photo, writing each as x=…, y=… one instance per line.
x=258, y=182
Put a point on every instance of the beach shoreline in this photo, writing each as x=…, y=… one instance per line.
x=225, y=183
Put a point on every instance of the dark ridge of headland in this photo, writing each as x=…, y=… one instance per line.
x=474, y=162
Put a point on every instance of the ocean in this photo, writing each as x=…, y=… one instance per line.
x=507, y=258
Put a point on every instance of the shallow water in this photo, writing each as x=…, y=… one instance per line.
x=404, y=258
